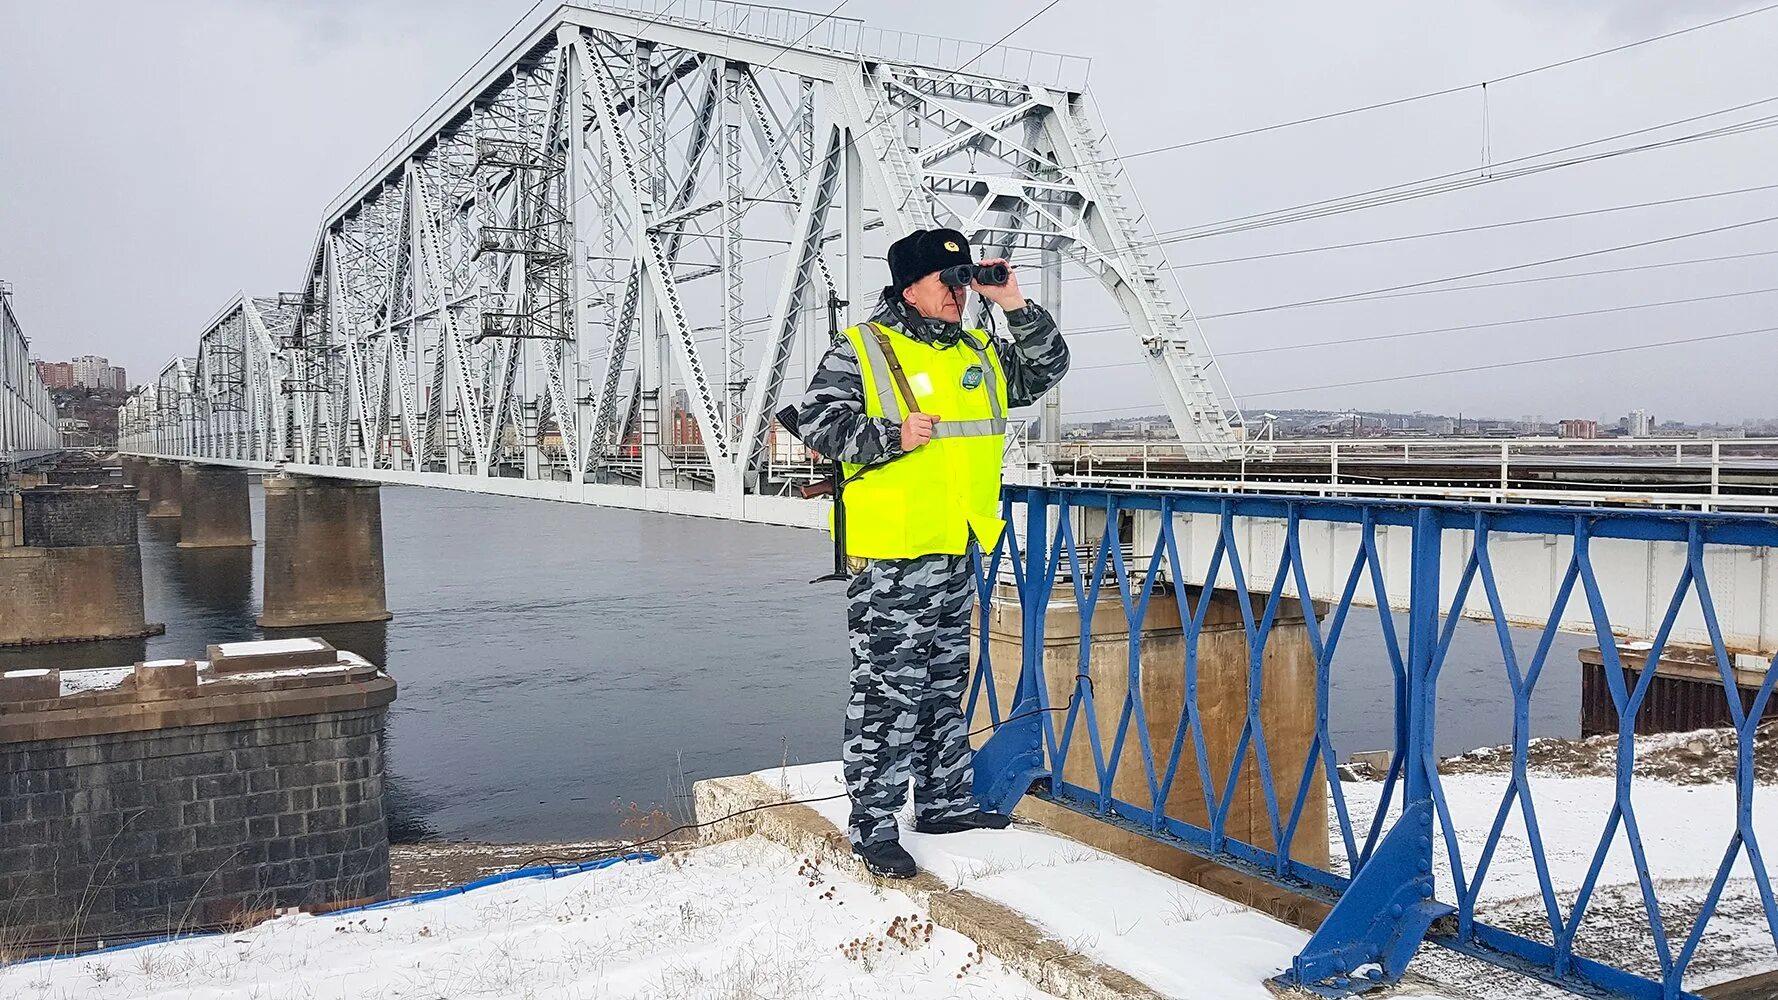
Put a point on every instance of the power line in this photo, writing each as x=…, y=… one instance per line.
x=1463, y=229
x=1560, y=277
x=1458, y=180
x=1302, y=303
x=1473, y=368
x=1347, y=341
x=1445, y=92
x=1497, y=323
x=1601, y=352
x=1392, y=293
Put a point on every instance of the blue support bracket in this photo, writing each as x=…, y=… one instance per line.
x=1372, y=932
x=1011, y=759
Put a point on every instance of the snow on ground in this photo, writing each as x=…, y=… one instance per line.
x=739, y=919
x=1685, y=830
x=1179, y=939
x=96, y=679
x=261, y=647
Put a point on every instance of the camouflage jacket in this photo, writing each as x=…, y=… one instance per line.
x=831, y=413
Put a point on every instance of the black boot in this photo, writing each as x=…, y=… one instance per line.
x=886, y=859
x=974, y=820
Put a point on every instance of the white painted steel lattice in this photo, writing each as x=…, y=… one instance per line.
x=27, y=414
x=602, y=259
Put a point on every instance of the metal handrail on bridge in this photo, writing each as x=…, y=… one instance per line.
x=1122, y=735
x=1681, y=472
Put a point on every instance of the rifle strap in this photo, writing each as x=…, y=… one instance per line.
x=894, y=363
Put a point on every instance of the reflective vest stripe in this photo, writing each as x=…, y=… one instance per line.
x=879, y=366
x=995, y=426
x=991, y=372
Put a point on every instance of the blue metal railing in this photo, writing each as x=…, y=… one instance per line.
x=1391, y=887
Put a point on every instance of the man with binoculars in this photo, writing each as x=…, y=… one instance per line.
x=914, y=406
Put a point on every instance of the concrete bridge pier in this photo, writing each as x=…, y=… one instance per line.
x=135, y=472
x=214, y=512
x=323, y=552
x=162, y=482
x=70, y=566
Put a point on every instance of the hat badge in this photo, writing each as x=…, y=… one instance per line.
x=952, y=246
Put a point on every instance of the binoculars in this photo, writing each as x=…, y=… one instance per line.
x=963, y=275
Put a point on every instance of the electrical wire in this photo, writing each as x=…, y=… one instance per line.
x=631, y=848
x=1458, y=180
x=1453, y=232
x=1523, y=362
x=1343, y=342
x=1323, y=300
x=1497, y=323
x=1445, y=92
x=1122, y=327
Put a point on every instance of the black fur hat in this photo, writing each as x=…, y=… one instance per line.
x=924, y=251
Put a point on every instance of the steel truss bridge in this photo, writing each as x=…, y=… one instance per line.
x=548, y=285
x=27, y=415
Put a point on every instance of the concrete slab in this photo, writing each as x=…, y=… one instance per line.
x=1048, y=963
x=1075, y=920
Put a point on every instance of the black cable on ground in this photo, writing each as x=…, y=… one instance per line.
x=550, y=861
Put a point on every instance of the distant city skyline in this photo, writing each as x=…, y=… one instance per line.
x=88, y=371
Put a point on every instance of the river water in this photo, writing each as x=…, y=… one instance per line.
x=558, y=662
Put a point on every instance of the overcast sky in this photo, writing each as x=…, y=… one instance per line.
x=157, y=158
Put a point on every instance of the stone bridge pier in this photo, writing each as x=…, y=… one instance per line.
x=160, y=488
x=323, y=552
x=213, y=508
x=70, y=565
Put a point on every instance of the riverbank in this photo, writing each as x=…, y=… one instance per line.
x=425, y=867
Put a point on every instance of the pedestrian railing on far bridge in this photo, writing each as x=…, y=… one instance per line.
x=1195, y=667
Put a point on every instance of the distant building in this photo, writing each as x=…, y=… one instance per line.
x=56, y=374
x=1638, y=424
x=1587, y=429
x=86, y=372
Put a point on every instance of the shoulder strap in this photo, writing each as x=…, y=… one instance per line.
x=901, y=379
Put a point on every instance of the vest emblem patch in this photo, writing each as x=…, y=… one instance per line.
x=972, y=376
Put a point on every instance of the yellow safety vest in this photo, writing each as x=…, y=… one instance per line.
x=933, y=498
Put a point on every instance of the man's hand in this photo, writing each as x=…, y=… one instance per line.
x=916, y=430
x=1007, y=296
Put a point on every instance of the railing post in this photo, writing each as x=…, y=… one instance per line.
x=1012, y=758
x=1384, y=914
x=1423, y=609
x=1715, y=468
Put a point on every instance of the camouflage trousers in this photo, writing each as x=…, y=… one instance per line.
x=909, y=628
